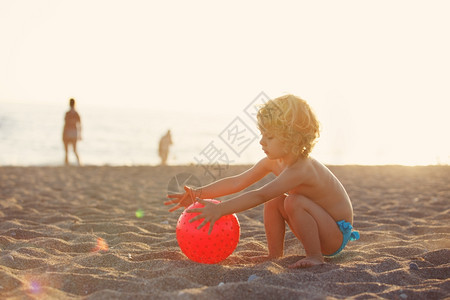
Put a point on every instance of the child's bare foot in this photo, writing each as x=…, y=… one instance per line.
x=309, y=261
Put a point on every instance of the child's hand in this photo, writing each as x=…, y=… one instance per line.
x=210, y=213
x=184, y=199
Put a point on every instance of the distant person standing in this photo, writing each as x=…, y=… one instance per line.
x=164, y=144
x=72, y=131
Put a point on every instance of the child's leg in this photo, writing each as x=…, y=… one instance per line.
x=274, y=224
x=314, y=227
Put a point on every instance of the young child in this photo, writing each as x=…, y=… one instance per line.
x=305, y=194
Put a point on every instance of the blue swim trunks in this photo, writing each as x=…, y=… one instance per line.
x=348, y=233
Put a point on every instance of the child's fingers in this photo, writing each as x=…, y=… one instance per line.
x=198, y=217
x=174, y=208
x=176, y=198
x=211, y=225
x=188, y=189
x=202, y=224
x=176, y=201
x=200, y=200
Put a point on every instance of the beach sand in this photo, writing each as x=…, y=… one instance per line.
x=104, y=233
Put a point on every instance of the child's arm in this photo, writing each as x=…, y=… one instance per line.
x=234, y=184
x=222, y=187
x=286, y=181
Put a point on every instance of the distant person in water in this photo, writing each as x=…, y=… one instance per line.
x=72, y=131
x=164, y=144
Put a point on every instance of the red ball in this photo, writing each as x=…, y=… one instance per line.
x=206, y=248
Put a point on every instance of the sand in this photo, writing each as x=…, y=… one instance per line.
x=103, y=233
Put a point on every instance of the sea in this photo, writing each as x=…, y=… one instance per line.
x=31, y=135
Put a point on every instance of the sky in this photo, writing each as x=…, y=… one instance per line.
x=377, y=73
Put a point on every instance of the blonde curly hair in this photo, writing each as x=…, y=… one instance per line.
x=292, y=120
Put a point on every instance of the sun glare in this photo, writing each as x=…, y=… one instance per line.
x=380, y=88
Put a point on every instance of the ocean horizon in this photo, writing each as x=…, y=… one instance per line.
x=31, y=135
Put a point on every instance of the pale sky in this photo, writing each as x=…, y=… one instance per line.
x=374, y=71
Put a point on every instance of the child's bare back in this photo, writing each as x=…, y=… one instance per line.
x=321, y=186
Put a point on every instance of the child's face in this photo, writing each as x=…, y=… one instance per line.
x=272, y=145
